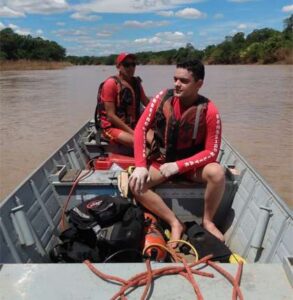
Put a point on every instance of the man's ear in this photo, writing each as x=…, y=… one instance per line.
x=199, y=83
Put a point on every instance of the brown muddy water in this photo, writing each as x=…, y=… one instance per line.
x=41, y=109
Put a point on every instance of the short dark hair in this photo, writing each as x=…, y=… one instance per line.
x=195, y=66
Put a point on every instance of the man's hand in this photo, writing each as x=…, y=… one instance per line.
x=169, y=169
x=138, y=179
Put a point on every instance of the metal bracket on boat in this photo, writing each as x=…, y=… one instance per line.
x=261, y=227
x=21, y=226
x=89, y=138
x=288, y=267
x=73, y=159
x=233, y=173
x=59, y=173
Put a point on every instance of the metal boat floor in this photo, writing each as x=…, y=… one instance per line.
x=76, y=281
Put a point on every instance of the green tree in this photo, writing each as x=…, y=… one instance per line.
x=288, y=24
x=260, y=35
x=15, y=46
x=253, y=53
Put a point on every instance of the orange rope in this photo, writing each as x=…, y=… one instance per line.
x=230, y=278
x=238, y=279
x=192, y=280
x=75, y=183
x=149, y=279
x=146, y=278
x=103, y=275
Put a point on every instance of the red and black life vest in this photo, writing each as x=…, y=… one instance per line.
x=127, y=105
x=177, y=139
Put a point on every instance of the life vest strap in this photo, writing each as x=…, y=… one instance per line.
x=196, y=122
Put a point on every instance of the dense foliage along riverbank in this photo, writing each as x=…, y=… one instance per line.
x=262, y=46
x=8, y=65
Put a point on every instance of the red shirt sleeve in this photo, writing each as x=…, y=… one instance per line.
x=212, y=142
x=143, y=125
x=109, y=91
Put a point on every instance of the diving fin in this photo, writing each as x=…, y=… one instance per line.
x=206, y=243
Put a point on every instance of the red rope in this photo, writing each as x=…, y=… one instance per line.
x=238, y=279
x=149, y=279
x=230, y=278
x=146, y=278
x=192, y=280
x=103, y=275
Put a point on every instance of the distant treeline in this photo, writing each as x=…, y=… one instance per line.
x=263, y=46
x=15, y=47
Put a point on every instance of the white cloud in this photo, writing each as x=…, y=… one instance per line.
x=145, y=24
x=131, y=6
x=2, y=26
x=189, y=13
x=241, y=1
x=18, y=8
x=84, y=16
x=287, y=8
x=71, y=32
x=18, y=30
x=104, y=34
x=166, y=13
x=171, y=36
x=162, y=40
x=39, y=32
x=218, y=16
x=60, y=23
x=10, y=13
x=242, y=26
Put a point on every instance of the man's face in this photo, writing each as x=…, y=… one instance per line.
x=186, y=87
x=127, y=67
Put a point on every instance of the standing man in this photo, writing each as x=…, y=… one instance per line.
x=119, y=102
x=187, y=138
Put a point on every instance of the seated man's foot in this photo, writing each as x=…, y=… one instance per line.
x=211, y=227
x=177, y=229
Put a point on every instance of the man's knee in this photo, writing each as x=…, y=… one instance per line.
x=215, y=173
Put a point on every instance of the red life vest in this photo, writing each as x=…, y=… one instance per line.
x=127, y=104
x=177, y=139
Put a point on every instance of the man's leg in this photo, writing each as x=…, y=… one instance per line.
x=154, y=203
x=119, y=136
x=125, y=138
x=214, y=176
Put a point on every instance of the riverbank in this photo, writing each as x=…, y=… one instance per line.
x=8, y=65
x=32, y=65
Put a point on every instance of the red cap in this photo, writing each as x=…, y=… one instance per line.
x=122, y=56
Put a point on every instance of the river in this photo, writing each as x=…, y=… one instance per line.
x=40, y=109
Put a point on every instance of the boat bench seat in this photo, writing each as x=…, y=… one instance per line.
x=184, y=198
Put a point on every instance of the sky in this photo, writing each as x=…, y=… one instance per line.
x=103, y=27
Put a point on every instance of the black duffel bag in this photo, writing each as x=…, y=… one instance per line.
x=99, y=228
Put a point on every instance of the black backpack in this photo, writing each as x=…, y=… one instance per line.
x=99, y=228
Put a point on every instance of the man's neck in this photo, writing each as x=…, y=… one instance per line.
x=126, y=78
x=188, y=102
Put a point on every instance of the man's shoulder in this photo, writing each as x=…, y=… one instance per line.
x=111, y=82
x=211, y=107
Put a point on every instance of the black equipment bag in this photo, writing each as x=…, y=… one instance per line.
x=103, y=210
x=98, y=228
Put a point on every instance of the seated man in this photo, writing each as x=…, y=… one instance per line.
x=119, y=102
x=187, y=138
